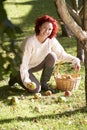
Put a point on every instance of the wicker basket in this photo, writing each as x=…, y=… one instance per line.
x=65, y=83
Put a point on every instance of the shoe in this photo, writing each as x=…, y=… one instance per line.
x=46, y=88
x=12, y=80
x=16, y=79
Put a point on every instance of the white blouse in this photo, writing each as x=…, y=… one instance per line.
x=34, y=53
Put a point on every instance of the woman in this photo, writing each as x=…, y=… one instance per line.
x=40, y=52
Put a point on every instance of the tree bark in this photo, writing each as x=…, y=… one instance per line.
x=73, y=8
x=75, y=15
x=85, y=48
x=80, y=50
x=75, y=4
x=69, y=21
x=76, y=29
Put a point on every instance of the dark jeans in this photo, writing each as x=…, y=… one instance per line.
x=49, y=61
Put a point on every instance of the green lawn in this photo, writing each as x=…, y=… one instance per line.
x=45, y=113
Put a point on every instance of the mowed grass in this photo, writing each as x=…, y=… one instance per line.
x=45, y=113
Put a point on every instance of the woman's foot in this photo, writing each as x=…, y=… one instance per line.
x=12, y=80
x=47, y=87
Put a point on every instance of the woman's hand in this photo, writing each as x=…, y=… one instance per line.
x=28, y=84
x=31, y=85
x=77, y=66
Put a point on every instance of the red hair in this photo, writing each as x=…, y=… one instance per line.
x=39, y=21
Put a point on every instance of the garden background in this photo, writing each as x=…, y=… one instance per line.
x=51, y=115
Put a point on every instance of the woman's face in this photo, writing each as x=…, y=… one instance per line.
x=46, y=29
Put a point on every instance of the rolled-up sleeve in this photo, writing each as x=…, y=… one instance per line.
x=24, y=67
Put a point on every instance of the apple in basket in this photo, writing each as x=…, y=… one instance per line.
x=59, y=76
x=69, y=77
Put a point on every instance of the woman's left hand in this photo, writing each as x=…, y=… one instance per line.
x=77, y=67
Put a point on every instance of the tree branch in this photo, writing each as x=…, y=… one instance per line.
x=75, y=15
x=69, y=21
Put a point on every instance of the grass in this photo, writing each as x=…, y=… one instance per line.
x=50, y=115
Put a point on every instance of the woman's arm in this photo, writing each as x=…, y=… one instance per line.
x=24, y=67
x=63, y=56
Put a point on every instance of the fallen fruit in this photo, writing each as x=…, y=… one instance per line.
x=38, y=108
x=14, y=100
x=48, y=93
x=68, y=93
x=61, y=99
x=22, y=97
x=37, y=95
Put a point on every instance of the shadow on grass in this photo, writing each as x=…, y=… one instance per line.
x=7, y=91
x=51, y=116
x=26, y=24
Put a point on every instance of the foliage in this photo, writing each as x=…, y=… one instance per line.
x=50, y=115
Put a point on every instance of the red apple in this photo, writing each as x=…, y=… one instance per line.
x=68, y=93
x=48, y=93
x=69, y=77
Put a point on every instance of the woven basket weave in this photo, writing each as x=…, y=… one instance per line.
x=66, y=82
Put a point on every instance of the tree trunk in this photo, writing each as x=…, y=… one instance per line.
x=69, y=21
x=75, y=4
x=74, y=12
x=85, y=62
x=76, y=29
x=80, y=50
x=66, y=32
x=85, y=47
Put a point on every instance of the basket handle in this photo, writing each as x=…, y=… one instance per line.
x=56, y=71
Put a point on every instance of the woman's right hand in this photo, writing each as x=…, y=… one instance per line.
x=31, y=85
x=28, y=84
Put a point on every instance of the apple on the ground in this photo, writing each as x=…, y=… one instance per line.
x=37, y=95
x=14, y=100
x=48, y=93
x=68, y=93
x=61, y=99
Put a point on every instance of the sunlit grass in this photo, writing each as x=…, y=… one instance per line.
x=69, y=115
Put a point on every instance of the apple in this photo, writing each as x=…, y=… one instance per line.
x=61, y=99
x=51, y=85
x=68, y=93
x=22, y=97
x=59, y=76
x=48, y=93
x=14, y=100
x=38, y=109
x=54, y=86
x=37, y=95
x=69, y=77
x=32, y=86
